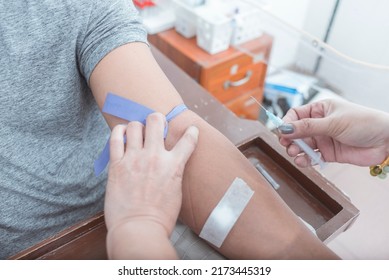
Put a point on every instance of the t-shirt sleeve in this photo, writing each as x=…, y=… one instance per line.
x=111, y=24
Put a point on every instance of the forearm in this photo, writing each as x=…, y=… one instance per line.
x=139, y=240
x=267, y=228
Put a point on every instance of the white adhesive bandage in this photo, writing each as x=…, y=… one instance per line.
x=226, y=212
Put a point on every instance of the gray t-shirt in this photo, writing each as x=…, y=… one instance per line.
x=51, y=130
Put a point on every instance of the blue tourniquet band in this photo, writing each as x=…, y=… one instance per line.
x=131, y=111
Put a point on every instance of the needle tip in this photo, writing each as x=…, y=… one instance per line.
x=258, y=102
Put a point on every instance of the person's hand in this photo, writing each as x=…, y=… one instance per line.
x=342, y=131
x=144, y=179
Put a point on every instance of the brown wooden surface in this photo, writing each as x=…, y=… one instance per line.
x=83, y=241
x=308, y=193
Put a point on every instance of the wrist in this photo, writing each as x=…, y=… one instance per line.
x=139, y=239
x=386, y=147
x=385, y=125
x=138, y=213
x=136, y=224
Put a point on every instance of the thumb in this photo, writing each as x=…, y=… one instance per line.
x=306, y=128
x=186, y=145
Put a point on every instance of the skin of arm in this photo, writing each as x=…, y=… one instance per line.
x=343, y=132
x=143, y=196
x=267, y=228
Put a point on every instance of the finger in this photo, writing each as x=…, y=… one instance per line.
x=309, y=127
x=134, y=136
x=155, y=125
x=116, y=142
x=186, y=145
x=303, y=160
x=294, y=149
x=284, y=141
x=312, y=110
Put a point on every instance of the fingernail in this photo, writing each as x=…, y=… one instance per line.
x=286, y=128
x=194, y=130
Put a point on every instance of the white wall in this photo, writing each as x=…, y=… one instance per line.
x=360, y=31
x=307, y=15
x=293, y=13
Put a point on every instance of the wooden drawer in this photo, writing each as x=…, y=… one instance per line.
x=231, y=79
x=244, y=106
x=226, y=75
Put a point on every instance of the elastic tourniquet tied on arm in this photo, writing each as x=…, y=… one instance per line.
x=131, y=111
x=226, y=213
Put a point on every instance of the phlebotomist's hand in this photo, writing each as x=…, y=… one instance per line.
x=143, y=196
x=342, y=131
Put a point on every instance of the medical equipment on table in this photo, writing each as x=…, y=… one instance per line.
x=314, y=156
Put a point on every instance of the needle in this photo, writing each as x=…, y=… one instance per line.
x=315, y=157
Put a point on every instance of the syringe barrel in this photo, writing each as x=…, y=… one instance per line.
x=315, y=157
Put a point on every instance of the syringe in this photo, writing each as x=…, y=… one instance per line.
x=314, y=156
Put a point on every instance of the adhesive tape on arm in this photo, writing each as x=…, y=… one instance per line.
x=226, y=213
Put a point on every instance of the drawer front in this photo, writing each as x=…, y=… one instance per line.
x=233, y=78
x=244, y=106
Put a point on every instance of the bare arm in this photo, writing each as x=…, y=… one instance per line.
x=267, y=228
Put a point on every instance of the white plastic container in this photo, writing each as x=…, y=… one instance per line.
x=157, y=15
x=246, y=21
x=214, y=30
x=247, y=26
x=186, y=18
x=193, y=3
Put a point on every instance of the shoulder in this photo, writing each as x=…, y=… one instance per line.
x=86, y=8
